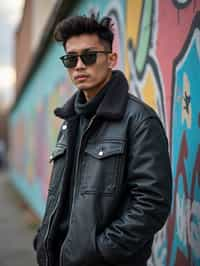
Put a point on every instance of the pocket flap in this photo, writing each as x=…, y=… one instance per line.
x=58, y=151
x=106, y=149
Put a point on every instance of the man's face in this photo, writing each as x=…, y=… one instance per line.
x=90, y=78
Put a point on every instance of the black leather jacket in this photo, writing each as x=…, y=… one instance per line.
x=122, y=185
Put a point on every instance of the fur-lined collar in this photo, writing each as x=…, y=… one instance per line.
x=113, y=104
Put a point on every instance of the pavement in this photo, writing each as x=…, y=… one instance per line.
x=16, y=228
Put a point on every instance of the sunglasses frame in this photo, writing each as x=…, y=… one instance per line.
x=84, y=61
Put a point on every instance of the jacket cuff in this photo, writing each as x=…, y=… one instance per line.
x=97, y=258
x=99, y=250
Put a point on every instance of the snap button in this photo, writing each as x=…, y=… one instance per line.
x=100, y=153
x=50, y=157
x=64, y=127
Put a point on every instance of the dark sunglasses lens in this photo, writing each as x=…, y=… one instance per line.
x=70, y=61
x=89, y=58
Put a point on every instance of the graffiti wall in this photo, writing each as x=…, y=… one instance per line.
x=34, y=128
x=158, y=43
x=163, y=69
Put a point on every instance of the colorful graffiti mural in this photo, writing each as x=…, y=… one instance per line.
x=163, y=70
x=185, y=217
x=158, y=43
x=33, y=134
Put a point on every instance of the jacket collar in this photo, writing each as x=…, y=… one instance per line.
x=113, y=104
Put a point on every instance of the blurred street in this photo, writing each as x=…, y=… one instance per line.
x=16, y=233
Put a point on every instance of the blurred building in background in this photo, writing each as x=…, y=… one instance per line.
x=9, y=15
x=159, y=50
x=28, y=35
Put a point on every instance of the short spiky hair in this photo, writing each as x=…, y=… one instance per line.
x=77, y=25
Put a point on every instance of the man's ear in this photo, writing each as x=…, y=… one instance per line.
x=112, y=60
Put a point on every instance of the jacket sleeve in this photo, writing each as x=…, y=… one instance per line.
x=147, y=206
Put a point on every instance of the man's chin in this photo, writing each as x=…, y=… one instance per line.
x=83, y=88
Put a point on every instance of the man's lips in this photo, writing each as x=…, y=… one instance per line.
x=81, y=77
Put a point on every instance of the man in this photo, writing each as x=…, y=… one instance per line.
x=110, y=189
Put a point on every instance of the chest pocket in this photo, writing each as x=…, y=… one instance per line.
x=102, y=167
x=58, y=158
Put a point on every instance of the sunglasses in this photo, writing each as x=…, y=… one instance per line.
x=88, y=58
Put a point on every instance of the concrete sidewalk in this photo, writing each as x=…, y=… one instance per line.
x=15, y=233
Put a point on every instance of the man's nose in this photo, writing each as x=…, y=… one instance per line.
x=80, y=63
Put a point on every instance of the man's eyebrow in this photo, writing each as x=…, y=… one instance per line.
x=82, y=51
x=90, y=48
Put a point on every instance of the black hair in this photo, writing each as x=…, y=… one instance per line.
x=77, y=25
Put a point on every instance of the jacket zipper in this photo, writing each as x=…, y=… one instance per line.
x=49, y=225
x=75, y=174
x=47, y=232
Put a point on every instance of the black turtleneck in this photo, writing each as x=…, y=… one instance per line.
x=86, y=110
